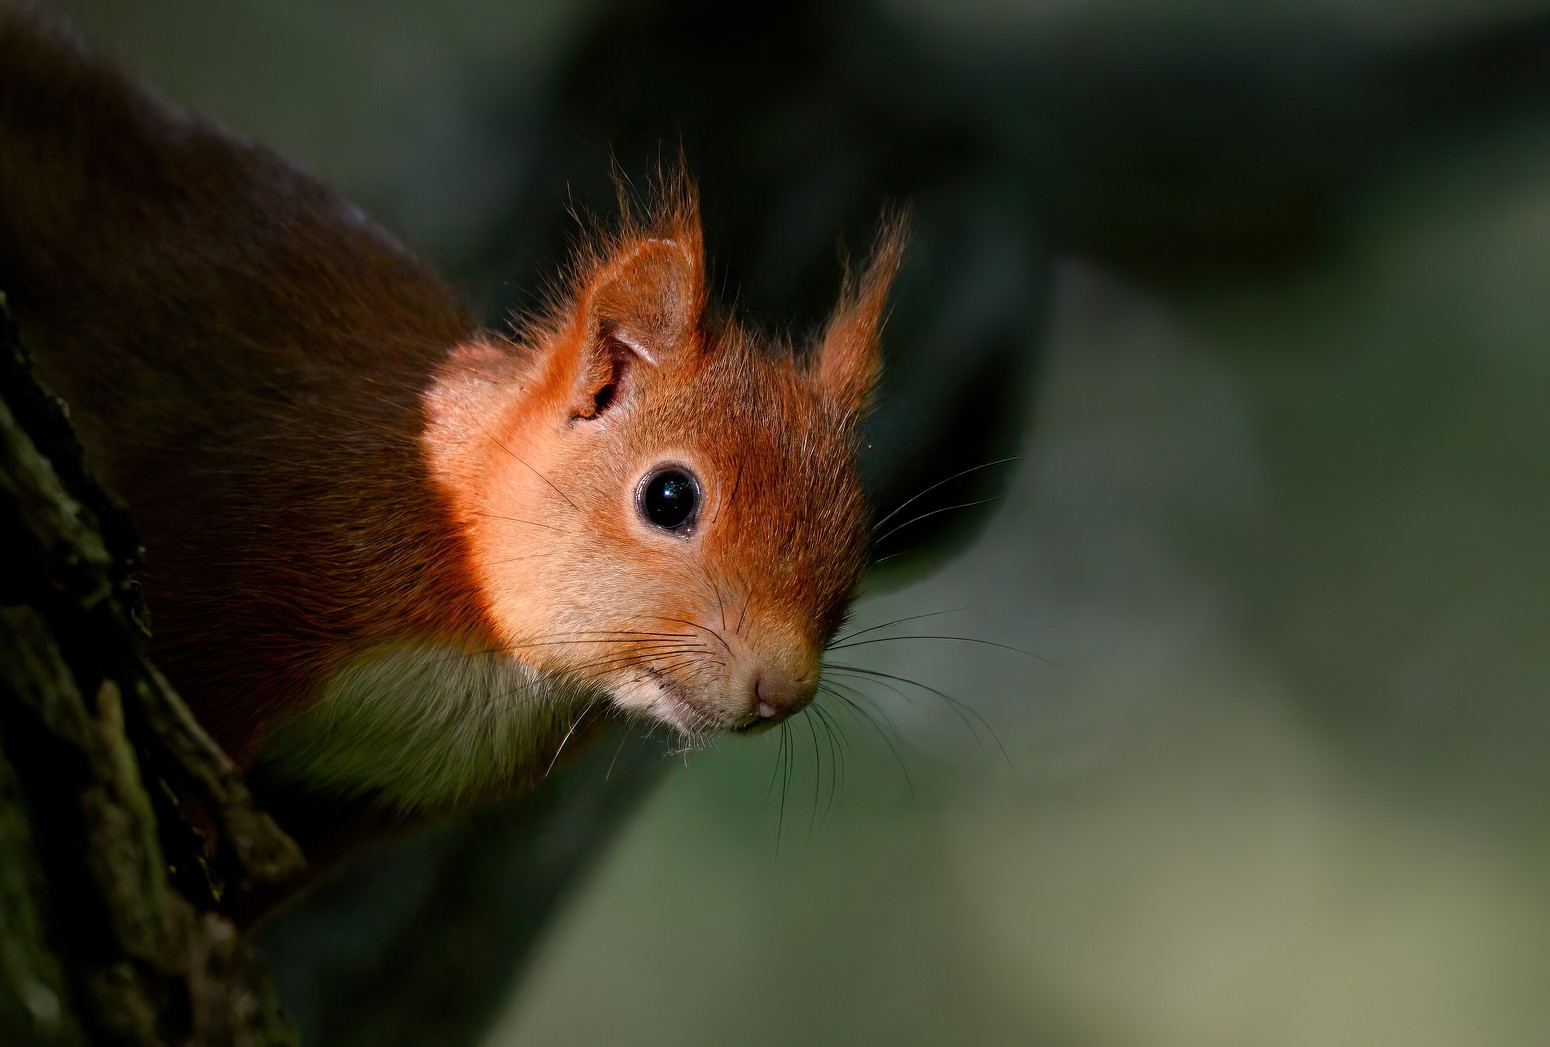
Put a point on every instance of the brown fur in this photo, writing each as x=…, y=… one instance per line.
x=325, y=457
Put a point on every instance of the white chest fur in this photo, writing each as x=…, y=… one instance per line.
x=423, y=725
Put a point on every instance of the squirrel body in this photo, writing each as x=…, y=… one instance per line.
x=388, y=554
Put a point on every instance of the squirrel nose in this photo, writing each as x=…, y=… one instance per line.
x=777, y=693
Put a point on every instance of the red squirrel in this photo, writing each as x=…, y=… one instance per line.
x=390, y=555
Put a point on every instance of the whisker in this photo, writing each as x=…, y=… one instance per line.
x=592, y=672
x=673, y=666
x=721, y=604
x=903, y=696
x=953, y=639
x=574, y=724
x=616, y=632
x=518, y=559
x=598, y=641
x=775, y=771
x=895, y=736
x=880, y=539
x=601, y=639
x=835, y=690
x=737, y=481
x=812, y=818
x=640, y=646
x=703, y=629
x=785, y=784
x=601, y=666
x=914, y=498
x=535, y=472
x=513, y=519
x=896, y=621
x=963, y=709
x=836, y=759
x=624, y=736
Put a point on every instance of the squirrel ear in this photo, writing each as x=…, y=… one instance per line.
x=649, y=295
x=638, y=307
x=849, y=360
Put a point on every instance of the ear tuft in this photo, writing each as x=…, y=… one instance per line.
x=639, y=298
x=648, y=296
x=849, y=360
x=647, y=284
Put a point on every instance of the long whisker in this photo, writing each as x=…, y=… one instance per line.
x=703, y=629
x=963, y=709
x=953, y=639
x=785, y=784
x=836, y=758
x=517, y=559
x=775, y=771
x=594, y=671
x=862, y=715
x=914, y=498
x=895, y=529
x=852, y=695
x=900, y=694
x=602, y=666
x=513, y=519
x=737, y=481
x=673, y=666
x=600, y=639
x=605, y=638
x=896, y=621
x=574, y=724
x=812, y=818
x=641, y=646
x=624, y=736
x=530, y=469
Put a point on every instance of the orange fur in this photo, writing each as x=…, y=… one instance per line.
x=327, y=459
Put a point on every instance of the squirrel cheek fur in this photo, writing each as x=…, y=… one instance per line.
x=388, y=554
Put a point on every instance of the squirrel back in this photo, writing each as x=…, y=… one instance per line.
x=242, y=351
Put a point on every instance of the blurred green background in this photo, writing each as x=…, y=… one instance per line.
x=1276, y=530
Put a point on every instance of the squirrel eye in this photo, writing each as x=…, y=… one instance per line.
x=670, y=499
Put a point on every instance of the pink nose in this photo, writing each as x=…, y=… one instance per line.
x=778, y=693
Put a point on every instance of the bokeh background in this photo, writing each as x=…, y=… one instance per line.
x=1256, y=300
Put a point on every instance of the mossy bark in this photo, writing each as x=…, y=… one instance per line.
x=111, y=929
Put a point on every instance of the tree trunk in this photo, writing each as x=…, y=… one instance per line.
x=110, y=923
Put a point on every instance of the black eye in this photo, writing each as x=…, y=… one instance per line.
x=670, y=498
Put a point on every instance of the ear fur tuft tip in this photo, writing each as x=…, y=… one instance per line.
x=849, y=358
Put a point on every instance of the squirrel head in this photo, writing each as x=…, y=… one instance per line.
x=658, y=503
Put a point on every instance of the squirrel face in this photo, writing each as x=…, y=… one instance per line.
x=658, y=505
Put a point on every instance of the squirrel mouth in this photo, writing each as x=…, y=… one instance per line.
x=757, y=725
x=676, y=708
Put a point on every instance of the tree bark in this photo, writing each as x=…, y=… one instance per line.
x=110, y=912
